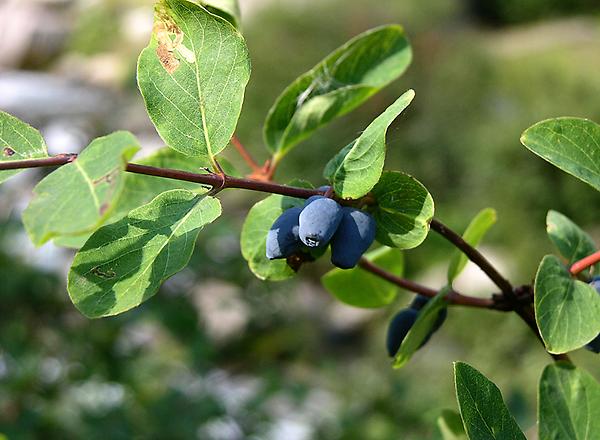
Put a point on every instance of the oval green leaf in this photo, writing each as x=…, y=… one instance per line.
x=571, y=241
x=356, y=169
x=571, y=144
x=569, y=404
x=338, y=84
x=192, y=76
x=359, y=288
x=482, y=409
x=473, y=235
x=421, y=328
x=450, y=426
x=80, y=196
x=139, y=189
x=567, y=310
x=403, y=212
x=124, y=263
x=18, y=141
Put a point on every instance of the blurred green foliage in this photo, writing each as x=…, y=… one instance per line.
x=298, y=361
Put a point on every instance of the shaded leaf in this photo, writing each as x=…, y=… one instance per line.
x=450, y=426
x=18, y=141
x=567, y=310
x=473, y=235
x=360, y=288
x=569, y=404
x=356, y=169
x=228, y=9
x=139, y=189
x=80, y=196
x=571, y=241
x=482, y=409
x=192, y=77
x=421, y=329
x=338, y=84
x=254, y=234
x=403, y=212
x=123, y=264
x=571, y=144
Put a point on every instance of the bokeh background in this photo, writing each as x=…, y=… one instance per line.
x=216, y=354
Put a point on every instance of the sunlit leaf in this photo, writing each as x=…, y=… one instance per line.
x=337, y=85
x=571, y=144
x=403, y=211
x=18, y=141
x=192, y=77
x=80, y=196
x=356, y=169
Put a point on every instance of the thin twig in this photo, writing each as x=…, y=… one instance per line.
x=245, y=154
x=584, y=263
x=453, y=297
x=476, y=257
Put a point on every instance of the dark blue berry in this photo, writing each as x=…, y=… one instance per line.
x=353, y=237
x=282, y=239
x=594, y=344
x=319, y=220
x=399, y=327
x=419, y=302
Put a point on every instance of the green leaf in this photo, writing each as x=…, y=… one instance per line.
x=356, y=169
x=338, y=84
x=571, y=241
x=484, y=414
x=228, y=9
x=571, y=144
x=80, y=196
x=473, y=235
x=450, y=426
x=567, y=310
x=363, y=289
x=254, y=234
x=18, y=141
x=139, y=189
x=569, y=404
x=123, y=264
x=192, y=77
x=421, y=328
x=403, y=212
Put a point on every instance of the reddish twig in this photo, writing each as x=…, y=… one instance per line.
x=245, y=154
x=584, y=263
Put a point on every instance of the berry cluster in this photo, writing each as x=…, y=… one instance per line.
x=318, y=223
x=594, y=344
x=401, y=324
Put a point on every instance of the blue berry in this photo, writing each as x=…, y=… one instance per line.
x=399, y=327
x=594, y=344
x=319, y=220
x=282, y=239
x=353, y=237
x=419, y=302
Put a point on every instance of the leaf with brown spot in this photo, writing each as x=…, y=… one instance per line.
x=80, y=196
x=192, y=77
x=18, y=141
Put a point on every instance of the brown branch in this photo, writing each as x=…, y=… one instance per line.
x=245, y=154
x=453, y=297
x=584, y=263
x=476, y=257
